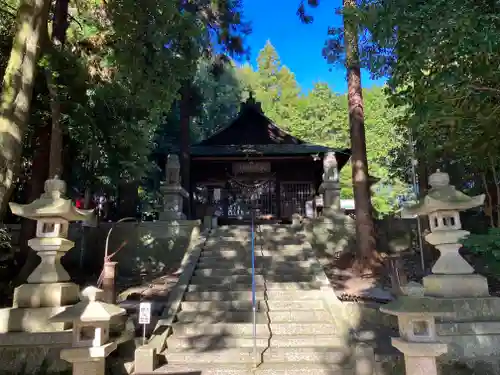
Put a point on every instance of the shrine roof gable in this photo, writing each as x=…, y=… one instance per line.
x=251, y=126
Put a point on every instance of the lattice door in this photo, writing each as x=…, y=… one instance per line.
x=294, y=196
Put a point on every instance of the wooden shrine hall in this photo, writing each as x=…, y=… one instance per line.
x=253, y=164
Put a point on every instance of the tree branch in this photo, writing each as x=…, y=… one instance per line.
x=12, y=11
x=481, y=88
x=7, y=12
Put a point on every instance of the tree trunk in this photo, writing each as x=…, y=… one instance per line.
x=17, y=90
x=423, y=178
x=59, y=27
x=185, y=158
x=56, y=139
x=367, y=257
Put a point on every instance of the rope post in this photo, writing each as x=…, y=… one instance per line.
x=254, y=302
x=108, y=281
x=108, y=273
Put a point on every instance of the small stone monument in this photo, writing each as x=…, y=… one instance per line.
x=91, y=324
x=416, y=319
x=49, y=287
x=173, y=193
x=331, y=184
x=451, y=275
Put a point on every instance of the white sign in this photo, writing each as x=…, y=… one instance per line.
x=251, y=167
x=347, y=204
x=145, y=313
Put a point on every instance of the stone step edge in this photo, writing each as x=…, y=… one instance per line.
x=330, y=355
x=249, y=350
x=280, y=368
x=179, y=342
x=259, y=294
x=262, y=307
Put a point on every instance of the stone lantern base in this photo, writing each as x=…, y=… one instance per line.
x=46, y=295
x=34, y=320
x=473, y=333
x=88, y=361
x=47, y=292
x=456, y=286
x=34, y=304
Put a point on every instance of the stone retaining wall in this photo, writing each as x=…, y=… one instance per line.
x=146, y=247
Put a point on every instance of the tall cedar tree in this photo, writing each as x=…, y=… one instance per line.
x=367, y=257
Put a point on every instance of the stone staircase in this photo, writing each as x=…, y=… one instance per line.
x=296, y=327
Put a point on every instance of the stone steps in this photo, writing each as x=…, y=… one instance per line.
x=264, y=369
x=295, y=333
x=274, y=271
x=236, y=305
x=247, y=279
x=334, y=355
x=267, y=263
x=263, y=317
x=246, y=252
x=278, y=341
x=246, y=294
x=246, y=329
x=213, y=262
x=248, y=286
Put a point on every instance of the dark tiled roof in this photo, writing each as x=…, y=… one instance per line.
x=253, y=133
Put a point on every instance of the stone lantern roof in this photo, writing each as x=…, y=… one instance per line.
x=89, y=309
x=442, y=197
x=51, y=204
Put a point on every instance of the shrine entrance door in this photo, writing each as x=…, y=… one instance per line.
x=246, y=193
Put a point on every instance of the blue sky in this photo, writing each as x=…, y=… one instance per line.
x=299, y=46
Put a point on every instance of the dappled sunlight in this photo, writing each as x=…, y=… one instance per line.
x=298, y=323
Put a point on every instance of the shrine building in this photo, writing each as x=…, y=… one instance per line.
x=252, y=163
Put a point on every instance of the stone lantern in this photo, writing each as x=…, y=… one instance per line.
x=416, y=320
x=91, y=324
x=442, y=205
x=173, y=193
x=49, y=287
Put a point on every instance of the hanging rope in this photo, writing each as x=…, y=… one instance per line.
x=255, y=185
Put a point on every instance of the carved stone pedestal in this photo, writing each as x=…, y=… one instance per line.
x=173, y=198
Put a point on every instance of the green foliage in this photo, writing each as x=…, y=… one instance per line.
x=488, y=247
x=443, y=76
x=221, y=97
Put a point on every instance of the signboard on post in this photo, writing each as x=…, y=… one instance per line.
x=144, y=318
x=145, y=313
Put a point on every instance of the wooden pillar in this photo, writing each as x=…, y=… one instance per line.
x=191, y=212
x=278, y=197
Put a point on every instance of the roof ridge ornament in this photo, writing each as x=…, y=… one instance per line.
x=252, y=102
